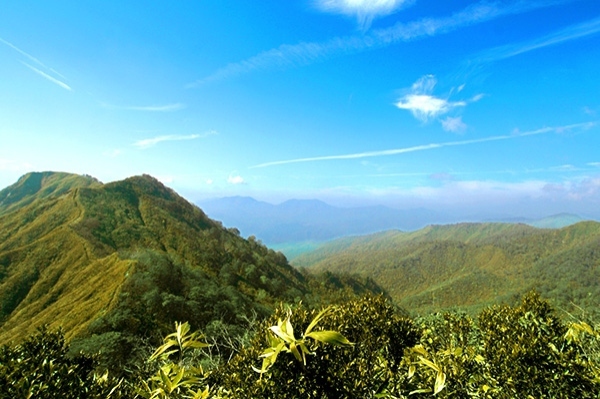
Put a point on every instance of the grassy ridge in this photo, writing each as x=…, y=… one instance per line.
x=115, y=265
x=65, y=258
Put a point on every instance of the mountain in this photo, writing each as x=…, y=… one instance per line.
x=302, y=221
x=556, y=221
x=472, y=265
x=124, y=259
x=39, y=185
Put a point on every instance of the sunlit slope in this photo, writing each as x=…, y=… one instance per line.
x=48, y=273
x=470, y=265
x=66, y=259
x=40, y=185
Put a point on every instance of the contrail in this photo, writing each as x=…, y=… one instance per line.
x=431, y=146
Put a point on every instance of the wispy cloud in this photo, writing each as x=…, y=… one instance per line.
x=572, y=32
x=113, y=153
x=235, y=179
x=306, y=53
x=40, y=64
x=364, y=10
x=422, y=104
x=148, y=108
x=151, y=142
x=454, y=125
x=46, y=76
x=432, y=146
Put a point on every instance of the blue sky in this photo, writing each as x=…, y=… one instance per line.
x=463, y=104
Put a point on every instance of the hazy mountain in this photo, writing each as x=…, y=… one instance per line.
x=471, y=265
x=556, y=221
x=298, y=221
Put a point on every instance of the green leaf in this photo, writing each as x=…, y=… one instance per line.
x=316, y=320
x=440, y=382
x=329, y=337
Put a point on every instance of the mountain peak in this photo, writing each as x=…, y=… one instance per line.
x=37, y=185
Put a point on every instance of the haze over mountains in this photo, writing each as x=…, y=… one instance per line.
x=111, y=262
x=289, y=226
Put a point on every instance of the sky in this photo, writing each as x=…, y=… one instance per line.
x=483, y=106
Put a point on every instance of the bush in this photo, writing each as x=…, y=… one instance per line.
x=379, y=335
x=524, y=351
x=40, y=368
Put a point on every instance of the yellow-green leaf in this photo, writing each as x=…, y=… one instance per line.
x=330, y=337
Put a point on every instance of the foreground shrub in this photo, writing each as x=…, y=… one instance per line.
x=524, y=351
x=379, y=336
x=40, y=368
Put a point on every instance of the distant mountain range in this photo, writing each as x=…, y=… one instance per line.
x=295, y=225
x=471, y=265
x=296, y=221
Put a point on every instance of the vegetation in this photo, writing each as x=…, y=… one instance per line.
x=363, y=348
x=116, y=265
x=472, y=265
x=93, y=278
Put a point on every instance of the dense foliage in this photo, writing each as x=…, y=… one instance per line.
x=40, y=368
x=472, y=265
x=364, y=348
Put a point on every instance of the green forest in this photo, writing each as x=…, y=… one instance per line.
x=126, y=290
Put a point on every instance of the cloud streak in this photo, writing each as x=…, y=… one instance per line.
x=46, y=76
x=148, y=108
x=431, y=146
x=572, y=32
x=151, y=142
x=40, y=64
x=306, y=53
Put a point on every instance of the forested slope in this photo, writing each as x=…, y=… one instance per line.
x=471, y=265
x=115, y=263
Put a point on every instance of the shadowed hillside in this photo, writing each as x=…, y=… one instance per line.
x=472, y=265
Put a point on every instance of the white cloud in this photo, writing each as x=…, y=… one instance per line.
x=422, y=104
x=151, y=142
x=48, y=77
x=41, y=65
x=431, y=146
x=572, y=32
x=235, y=179
x=147, y=143
x=165, y=179
x=305, y=53
x=364, y=10
x=209, y=181
x=148, y=108
x=454, y=125
x=113, y=153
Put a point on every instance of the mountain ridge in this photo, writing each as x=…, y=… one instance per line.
x=70, y=258
x=471, y=265
x=297, y=225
